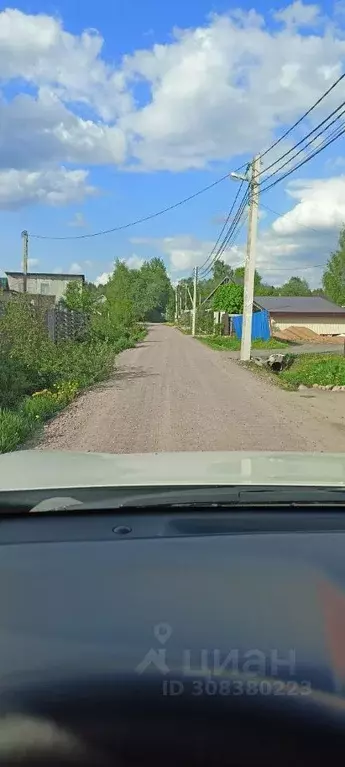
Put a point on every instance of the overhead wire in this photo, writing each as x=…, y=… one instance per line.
x=327, y=142
x=136, y=221
x=223, y=227
x=230, y=236
x=308, y=112
x=302, y=141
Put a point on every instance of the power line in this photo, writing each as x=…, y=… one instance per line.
x=223, y=227
x=137, y=221
x=299, y=223
x=327, y=143
x=232, y=230
x=308, y=112
x=306, y=137
x=298, y=122
x=304, y=148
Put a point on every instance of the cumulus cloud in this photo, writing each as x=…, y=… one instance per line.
x=134, y=262
x=53, y=187
x=103, y=278
x=320, y=206
x=223, y=88
x=215, y=91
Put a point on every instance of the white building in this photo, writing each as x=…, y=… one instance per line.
x=42, y=283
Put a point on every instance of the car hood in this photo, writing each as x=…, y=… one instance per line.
x=35, y=469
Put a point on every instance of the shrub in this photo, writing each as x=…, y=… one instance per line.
x=320, y=369
x=14, y=429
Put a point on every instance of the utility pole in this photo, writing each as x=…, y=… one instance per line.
x=195, y=285
x=176, y=304
x=249, y=270
x=25, y=238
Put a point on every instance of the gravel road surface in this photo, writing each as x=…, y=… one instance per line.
x=173, y=393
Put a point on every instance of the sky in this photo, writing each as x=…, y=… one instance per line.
x=110, y=111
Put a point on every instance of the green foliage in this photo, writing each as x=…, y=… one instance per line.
x=239, y=275
x=204, y=321
x=334, y=275
x=322, y=369
x=221, y=270
x=295, y=287
x=231, y=343
x=80, y=297
x=229, y=298
x=14, y=429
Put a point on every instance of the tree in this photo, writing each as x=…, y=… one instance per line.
x=333, y=279
x=154, y=289
x=229, y=298
x=295, y=287
x=80, y=297
x=239, y=275
x=221, y=270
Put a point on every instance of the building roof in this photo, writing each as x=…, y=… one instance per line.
x=315, y=305
x=49, y=275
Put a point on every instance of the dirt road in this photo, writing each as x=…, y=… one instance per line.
x=173, y=393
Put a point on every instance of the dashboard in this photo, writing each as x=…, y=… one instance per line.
x=189, y=598
x=84, y=591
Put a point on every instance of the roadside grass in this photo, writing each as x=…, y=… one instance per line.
x=309, y=369
x=64, y=371
x=226, y=343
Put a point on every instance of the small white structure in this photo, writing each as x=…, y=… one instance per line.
x=43, y=283
x=313, y=312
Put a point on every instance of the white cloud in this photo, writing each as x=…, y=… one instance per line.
x=75, y=268
x=103, y=278
x=134, y=262
x=213, y=92
x=186, y=251
x=32, y=262
x=53, y=187
x=77, y=221
x=221, y=89
x=321, y=206
x=39, y=50
x=299, y=14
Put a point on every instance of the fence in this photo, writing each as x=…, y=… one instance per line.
x=260, y=325
x=64, y=324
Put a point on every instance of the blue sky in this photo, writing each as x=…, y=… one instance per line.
x=110, y=111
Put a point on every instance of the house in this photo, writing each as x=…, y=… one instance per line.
x=42, y=283
x=313, y=312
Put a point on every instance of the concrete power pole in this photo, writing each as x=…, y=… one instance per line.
x=249, y=270
x=195, y=285
x=25, y=237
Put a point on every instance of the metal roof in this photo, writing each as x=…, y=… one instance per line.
x=298, y=305
x=46, y=274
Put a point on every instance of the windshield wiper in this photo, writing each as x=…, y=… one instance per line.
x=211, y=497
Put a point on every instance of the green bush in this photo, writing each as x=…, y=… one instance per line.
x=15, y=427
x=321, y=369
x=38, y=378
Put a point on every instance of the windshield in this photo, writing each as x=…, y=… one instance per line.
x=172, y=201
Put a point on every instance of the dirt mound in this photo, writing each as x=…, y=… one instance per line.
x=297, y=334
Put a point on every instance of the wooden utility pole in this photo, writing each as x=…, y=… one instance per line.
x=195, y=286
x=25, y=238
x=249, y=271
